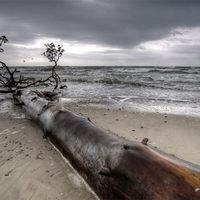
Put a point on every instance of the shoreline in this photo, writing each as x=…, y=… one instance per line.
x=162, y=108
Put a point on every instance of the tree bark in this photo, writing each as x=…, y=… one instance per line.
x=115, y=168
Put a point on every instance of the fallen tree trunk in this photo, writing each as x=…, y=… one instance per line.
x=115, y=168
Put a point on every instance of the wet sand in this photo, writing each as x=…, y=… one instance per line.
x=30, y=168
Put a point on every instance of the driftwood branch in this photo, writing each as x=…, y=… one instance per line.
x=35, y=83
x=10, y=81
x=114, y=167
x=7, y=91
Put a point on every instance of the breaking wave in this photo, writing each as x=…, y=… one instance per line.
x=110, y=81
x=175, y=85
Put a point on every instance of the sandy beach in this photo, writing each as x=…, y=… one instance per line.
x=30, y=168
x=177, y=135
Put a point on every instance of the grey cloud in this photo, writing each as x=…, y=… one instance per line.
x=118, y=23
x=115, y=23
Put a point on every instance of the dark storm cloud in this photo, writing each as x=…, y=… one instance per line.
x=113, y=22
x=144, y=32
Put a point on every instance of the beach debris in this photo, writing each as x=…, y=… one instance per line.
x=7, y=174
x=141, y=126
x=144, y=141
x=63, y=86
x=105, y=171
x=40, y=156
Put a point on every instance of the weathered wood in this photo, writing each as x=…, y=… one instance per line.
x=7, y=91
x=115, y=168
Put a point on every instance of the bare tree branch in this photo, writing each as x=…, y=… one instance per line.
x=34, y=83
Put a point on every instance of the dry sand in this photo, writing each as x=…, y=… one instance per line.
x=31, y=169
x=174, y=134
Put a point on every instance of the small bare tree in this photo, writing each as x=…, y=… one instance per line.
x=3, y=39
x=53, y=54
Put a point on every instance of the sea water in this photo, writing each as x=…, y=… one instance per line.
x=173, y=90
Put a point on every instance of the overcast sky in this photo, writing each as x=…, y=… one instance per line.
x=102, y=32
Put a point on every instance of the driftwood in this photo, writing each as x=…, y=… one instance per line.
x=12, y=83
x=114, y=168
x=9, y=81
